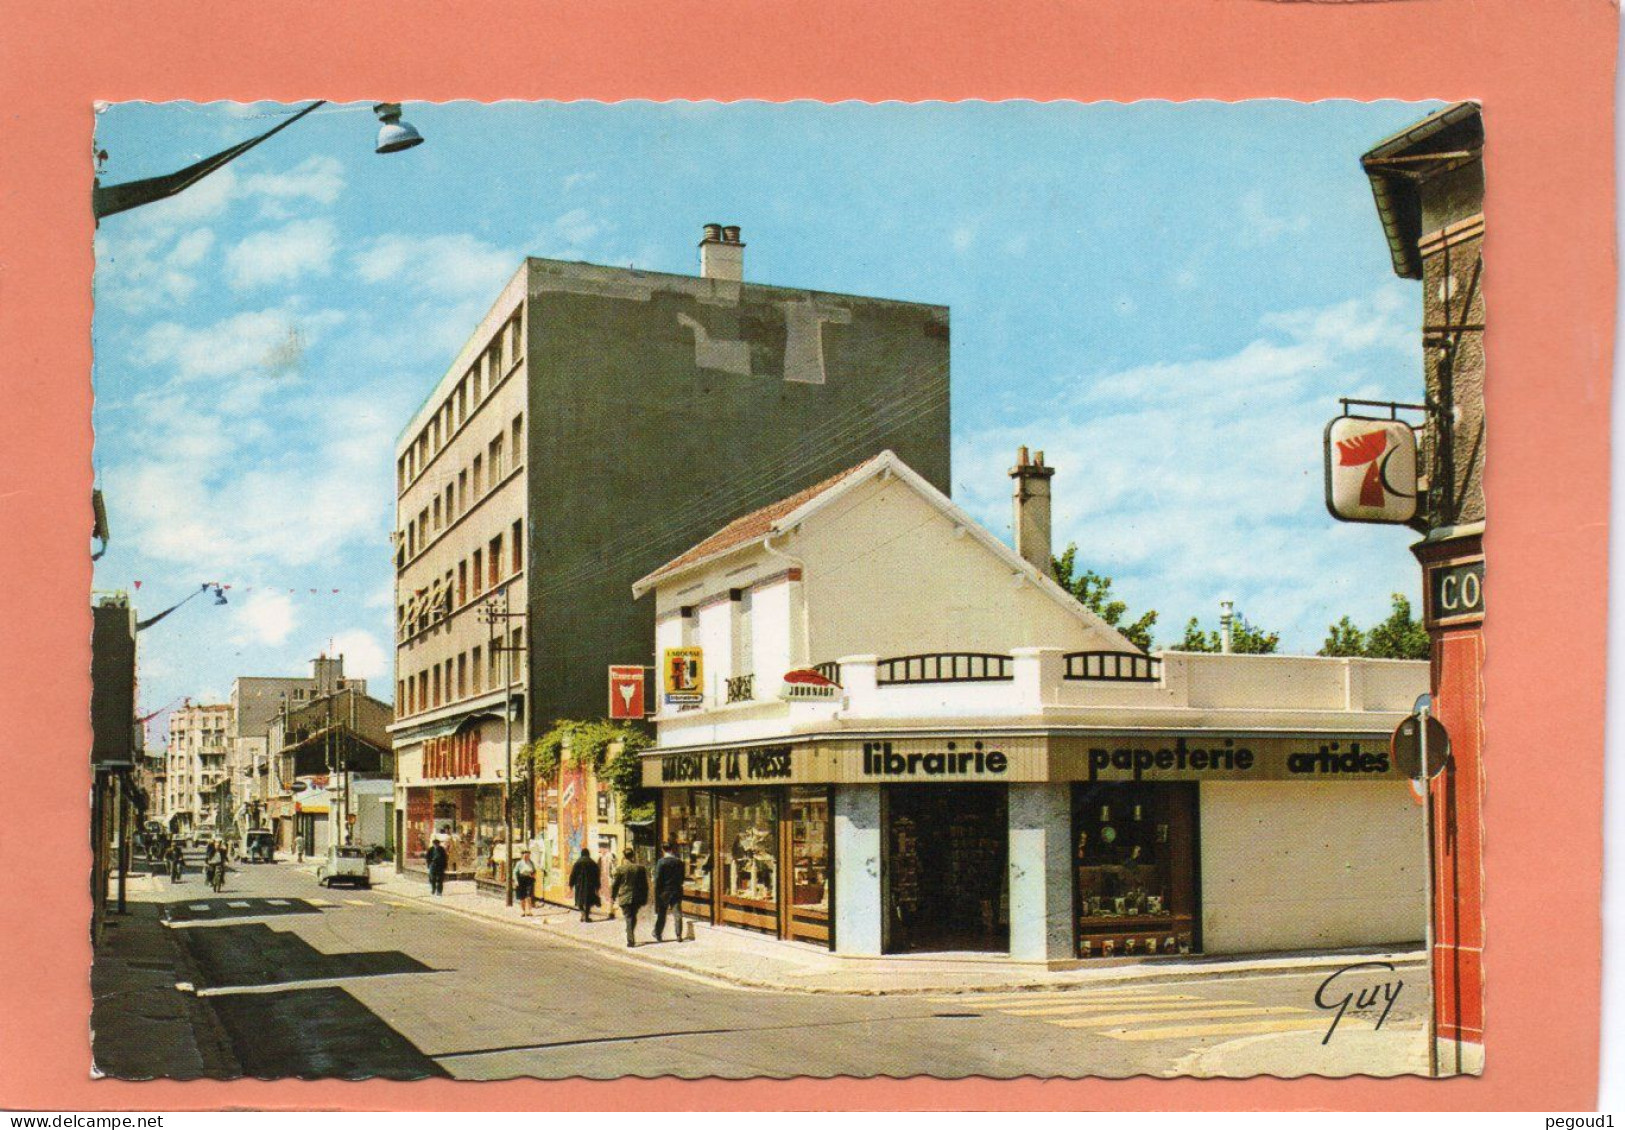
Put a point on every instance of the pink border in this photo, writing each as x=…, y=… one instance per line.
x=1551, y=286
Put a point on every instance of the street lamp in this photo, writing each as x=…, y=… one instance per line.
x=108, y=200
x=494, y=614
x=394, y=135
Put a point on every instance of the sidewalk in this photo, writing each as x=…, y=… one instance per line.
x=141, y=1027
x=729, y=956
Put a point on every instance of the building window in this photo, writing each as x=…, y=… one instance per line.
x=496, y=460
x=434, y=685
x=474, y=662
x=479, y=477
x=462, y=399
x=496, y=560
x=516, y=656
x=437, y=511
x=423, y=690
x=462, y=676
x=518, y=334
x=462, y=583
x=462, y=491
x=492, y=675
x=518, y=439
x=518, y=546
x=473, y=379
x=476, y=573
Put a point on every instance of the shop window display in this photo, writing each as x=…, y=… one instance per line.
x=490, y=838
x=748, y=842
x=947, y=868
x=1134, y=857
x=688, y=827
x=454, y=820
x=809, y=863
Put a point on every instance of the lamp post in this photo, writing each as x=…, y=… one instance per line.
x=108, y=200
x=494, y=613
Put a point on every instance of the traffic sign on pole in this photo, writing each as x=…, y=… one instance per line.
x=1407, y=746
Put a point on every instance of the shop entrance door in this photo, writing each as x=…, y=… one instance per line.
x=947, y=862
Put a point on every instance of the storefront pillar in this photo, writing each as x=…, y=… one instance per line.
x=1041, y=927
x=858, y=911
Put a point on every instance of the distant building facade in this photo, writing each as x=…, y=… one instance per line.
x=600, y=420
x=256, y=701
x=195, y=765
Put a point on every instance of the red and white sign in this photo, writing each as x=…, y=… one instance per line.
x=806, y=684
x=626, y=692
x=1370, y=470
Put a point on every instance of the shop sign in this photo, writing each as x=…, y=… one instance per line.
x=973, y=759
x=1457, y=591
x=807, y=685
x=1150, y=757
x=626, y=693
x=452, y=755
x=1370, y=470
x=683, y=671
x=735, y=765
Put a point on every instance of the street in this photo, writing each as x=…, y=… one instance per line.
x=298, y=980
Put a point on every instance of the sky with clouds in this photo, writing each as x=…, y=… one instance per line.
x=1168, y=299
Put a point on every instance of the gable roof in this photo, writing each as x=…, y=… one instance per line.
x=787, y=513
x=1443, y=140
x=747, y=528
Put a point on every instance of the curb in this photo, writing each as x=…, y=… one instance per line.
x=1126, y=975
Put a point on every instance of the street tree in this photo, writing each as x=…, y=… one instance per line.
x=1094, y=591
x=1245, y=639
x=1400, y=636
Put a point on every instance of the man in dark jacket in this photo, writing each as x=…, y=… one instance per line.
x=436, y=859
x=630, y=890
x=585, y=879
x=668, y=892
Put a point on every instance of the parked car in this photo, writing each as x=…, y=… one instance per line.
x=344, y=865
x=258, y=846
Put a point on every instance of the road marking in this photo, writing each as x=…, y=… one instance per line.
x=320, y=902
x=1121, y=1018
x=1096, y=1004
x=1239, y=1028
x=238, y=905
x=197, y=906
x=359, y=902
x=311, y=983
x=1041, y=997
x=388, y=902
x=276, y=902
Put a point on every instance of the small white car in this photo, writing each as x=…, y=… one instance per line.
x=344, y=865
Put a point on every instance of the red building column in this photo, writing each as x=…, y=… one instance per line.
x=1453, y=576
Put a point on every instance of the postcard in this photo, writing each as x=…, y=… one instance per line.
x=965, y=606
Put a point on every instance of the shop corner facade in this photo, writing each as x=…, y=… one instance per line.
x=908, y=738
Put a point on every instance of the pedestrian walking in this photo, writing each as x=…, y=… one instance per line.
x=585, y=879
x=177, y=860
x=524, y=884
x=630, y=891
x=669, y=875
x=436, y=859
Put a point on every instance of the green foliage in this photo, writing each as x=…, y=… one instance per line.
x=610, y=748
x=1094, y=592
x=1244, y=638
x=1398, y=637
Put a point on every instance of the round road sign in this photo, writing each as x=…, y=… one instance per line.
x=1406, y=746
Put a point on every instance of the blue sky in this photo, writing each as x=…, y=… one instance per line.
x=1166, y=298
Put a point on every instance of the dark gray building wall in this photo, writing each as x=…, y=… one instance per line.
x=663, y=406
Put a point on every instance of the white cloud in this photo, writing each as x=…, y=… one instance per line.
x=364, y=656
x=319, y=179
x=1258, y=223
x=451, y=265
x=251, y=344
x=265, y=616
x=282, y=255
x=1196, y=480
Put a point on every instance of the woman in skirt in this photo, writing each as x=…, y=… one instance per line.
x=524, y=882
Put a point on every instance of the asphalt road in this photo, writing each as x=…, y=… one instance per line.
x=316, y=983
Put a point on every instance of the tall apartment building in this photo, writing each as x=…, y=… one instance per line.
x=256, y=700
x=195, y=765
x=599, y=421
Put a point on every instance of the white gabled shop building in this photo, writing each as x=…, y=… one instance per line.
x=995, y=768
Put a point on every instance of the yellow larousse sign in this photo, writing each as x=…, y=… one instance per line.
x=683, y=675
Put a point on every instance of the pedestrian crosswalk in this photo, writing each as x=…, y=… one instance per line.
x=1146, y=1014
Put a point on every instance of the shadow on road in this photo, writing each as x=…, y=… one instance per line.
x=317, y=1034
x=253, y=954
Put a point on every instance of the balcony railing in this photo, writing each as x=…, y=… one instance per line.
x=741, y=688
x=944, y=667
x=830, y=671
x=1113, y=667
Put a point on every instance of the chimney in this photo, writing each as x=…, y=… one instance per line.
x=1227, y=619
x=1032, y=510
x=722, y=254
